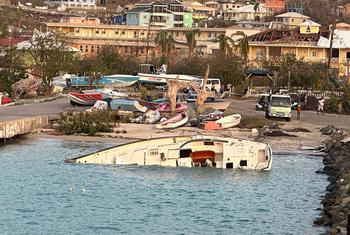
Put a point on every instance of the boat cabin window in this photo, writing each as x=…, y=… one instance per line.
x=153, y=151
x=243, y=163
x=184, y=153
x=229, y=165
x=208, y=143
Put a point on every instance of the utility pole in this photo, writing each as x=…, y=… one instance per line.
x=148, y=34
x=332, y=28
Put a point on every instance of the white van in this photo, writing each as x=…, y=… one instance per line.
x=279, y=106
x=211, y=83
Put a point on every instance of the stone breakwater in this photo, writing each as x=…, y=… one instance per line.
x=336, y=203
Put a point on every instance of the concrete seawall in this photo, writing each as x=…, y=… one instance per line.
x=12, y=128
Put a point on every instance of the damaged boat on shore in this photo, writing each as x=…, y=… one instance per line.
x=185, y=151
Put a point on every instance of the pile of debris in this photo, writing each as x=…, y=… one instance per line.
x=26, y=88
x=271, y=129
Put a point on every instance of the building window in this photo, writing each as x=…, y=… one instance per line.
x=347, y=55
x=92, y=49
x=116, y=32
x=97, y=32
x=123, y=32
x=304, y=51
x=86, y=48
x=292, y=20
x=145, y=17
x=135, y=34
x=308, y=30
x=293, y=51
x=98, y=48
x=77, y=30
x=314, y=53
x=81, y=48
x=103, y=32
x=126, y=50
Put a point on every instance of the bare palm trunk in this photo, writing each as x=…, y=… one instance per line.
x=202, y=93
x=173, y=87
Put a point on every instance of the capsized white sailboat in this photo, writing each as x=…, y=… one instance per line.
x=186, y=151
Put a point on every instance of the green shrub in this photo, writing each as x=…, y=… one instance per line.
x=85, y=122
x=346, y=99
x=332, y=104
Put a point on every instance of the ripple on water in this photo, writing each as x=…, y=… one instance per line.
x=43, y=195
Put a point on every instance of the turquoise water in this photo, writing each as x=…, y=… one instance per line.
x=40, y=194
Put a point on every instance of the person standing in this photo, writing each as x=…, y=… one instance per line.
x=298, y=111
x=320, y=108
x=117, y=116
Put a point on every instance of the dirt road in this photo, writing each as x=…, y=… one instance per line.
x=247, y=108
x=28, y=110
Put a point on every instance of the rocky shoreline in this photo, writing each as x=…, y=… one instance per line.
x=336, y=203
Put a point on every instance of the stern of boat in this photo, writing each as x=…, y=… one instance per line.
x=265, y=159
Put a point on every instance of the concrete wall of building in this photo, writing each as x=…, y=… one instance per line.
x=292, y=22
x=310, y=54
x=188, y=21
x=67, y=3
x=305, y=29
x=276, y=6
x=133, y=18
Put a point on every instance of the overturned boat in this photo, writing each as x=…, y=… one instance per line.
x=185, y=151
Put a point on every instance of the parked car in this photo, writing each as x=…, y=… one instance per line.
x=262, y=102
x=193, y=97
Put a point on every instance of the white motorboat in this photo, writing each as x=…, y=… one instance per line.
x=150, y=75
x=229, y=121
x=177, y=121
x=185, y=151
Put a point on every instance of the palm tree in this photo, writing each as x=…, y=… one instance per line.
x=191, y=40
x=243, y=45
x=224, y=43
x=166, y=43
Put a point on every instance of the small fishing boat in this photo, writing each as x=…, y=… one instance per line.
x=150, y=117
x=127, y=105
x=212, y=116
x=166, y=107
x=174, y=122
x=222, y=123
x=116, y=80
x=111, y=93
x=85, y=97
x=185, y=151
x=89, y=97
x=229, y=121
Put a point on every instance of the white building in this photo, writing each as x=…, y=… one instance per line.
x=73, y=3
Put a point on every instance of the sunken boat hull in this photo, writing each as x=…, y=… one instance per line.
x=185, y=152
